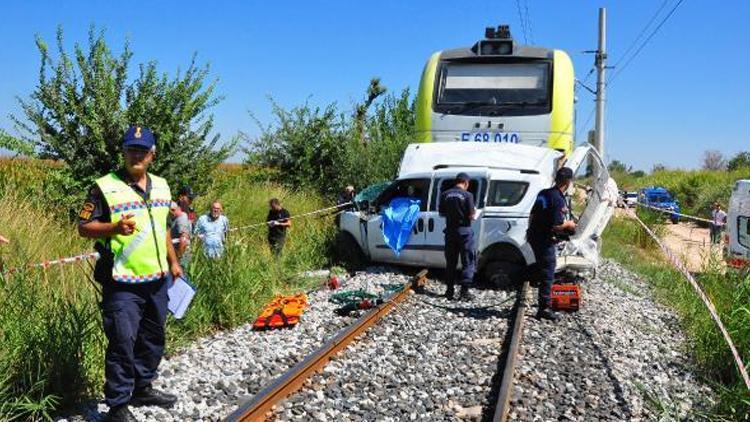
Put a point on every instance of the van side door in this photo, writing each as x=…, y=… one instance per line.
x=416, y=188
x=434, y=242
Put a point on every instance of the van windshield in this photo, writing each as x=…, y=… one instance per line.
x=490, y=89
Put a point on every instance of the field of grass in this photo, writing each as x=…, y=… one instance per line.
x=626, y=242
x=695, y=189
x=51, y=343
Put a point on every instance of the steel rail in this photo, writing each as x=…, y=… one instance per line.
x=503, y=397
x=293, y=379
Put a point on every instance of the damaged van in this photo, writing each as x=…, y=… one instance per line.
x=505, y=179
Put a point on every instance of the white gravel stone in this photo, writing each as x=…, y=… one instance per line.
x=602, y=362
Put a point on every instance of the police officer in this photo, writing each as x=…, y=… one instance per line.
x=547, y=223
x=126, y=212
x=457, y=206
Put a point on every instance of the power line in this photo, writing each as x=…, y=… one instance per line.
x=645, y=42
x=522, y=21
x=643, y=31
x=528, y=21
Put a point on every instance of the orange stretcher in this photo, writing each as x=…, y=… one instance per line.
x=281, y=312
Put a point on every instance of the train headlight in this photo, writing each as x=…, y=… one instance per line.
x=494, y=48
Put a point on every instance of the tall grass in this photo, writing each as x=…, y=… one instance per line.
x=729, y=292
x=51, y=343
x=695, y=189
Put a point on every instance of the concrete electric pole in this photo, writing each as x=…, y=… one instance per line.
x=601, y=65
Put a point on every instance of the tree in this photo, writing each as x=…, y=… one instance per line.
x=740, y=160
x=616, y=166
x=83, y=103
x=321, y=147
x=714, y=160
x=374, y=90
x=658, y=167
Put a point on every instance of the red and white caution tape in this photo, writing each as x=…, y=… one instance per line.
x=308, y=214
x=667, y=211
x=95, y=255
x=680, y=266
x=59, y=261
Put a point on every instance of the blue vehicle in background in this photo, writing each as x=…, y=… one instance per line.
x=661, y=198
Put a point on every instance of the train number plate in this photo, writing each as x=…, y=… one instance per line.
x=494, y=137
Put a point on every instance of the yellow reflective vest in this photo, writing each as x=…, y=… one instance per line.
x=142, y=256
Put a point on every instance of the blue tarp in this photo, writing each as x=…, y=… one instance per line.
x=398, y=220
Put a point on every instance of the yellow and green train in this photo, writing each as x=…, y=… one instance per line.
x=498, y=91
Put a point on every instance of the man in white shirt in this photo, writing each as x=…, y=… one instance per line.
x=718, y=222
x=212, y=229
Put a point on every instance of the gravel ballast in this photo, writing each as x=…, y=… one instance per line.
x=429, y=359
x=621, y=357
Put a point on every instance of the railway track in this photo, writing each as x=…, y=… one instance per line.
x=374, y=367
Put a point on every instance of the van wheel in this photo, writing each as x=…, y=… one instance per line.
x=501, y=274
x=349, y=253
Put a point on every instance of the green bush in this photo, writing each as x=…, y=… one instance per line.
x=51, y=342
x=86, y=98
x=323, y=148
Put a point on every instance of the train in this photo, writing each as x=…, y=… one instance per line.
x=498, y=91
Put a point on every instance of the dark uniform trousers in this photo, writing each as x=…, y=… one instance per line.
x=544, y=270
x=134, y=316
x=460, y=244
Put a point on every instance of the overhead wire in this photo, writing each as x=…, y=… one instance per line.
x=528, y=21
x=522, y=21
x=645, y=42
x=640, y=34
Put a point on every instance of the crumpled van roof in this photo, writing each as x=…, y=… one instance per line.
x=425, y=157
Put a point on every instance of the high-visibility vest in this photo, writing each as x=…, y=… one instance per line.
x=142, y=256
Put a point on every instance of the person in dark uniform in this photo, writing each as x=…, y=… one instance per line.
x=547, y=222
x=126, y=212
x=457, y=206
x=278, y=221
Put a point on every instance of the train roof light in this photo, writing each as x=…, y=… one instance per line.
x=498, y=42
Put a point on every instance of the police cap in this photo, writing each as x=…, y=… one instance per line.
x=462, y=177
x=138, y=136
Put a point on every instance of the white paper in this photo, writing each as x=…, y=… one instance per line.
x=181, y=293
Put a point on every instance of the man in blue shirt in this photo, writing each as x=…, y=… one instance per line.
x=457, y=206
x=212, y=229
x=547, y=223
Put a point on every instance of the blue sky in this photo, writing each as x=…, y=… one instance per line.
x=686, y=92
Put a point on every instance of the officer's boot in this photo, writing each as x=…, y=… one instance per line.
x=120, y=414
x=465, y=294
x=450, y=292
x=148, y=396
x=547, y=313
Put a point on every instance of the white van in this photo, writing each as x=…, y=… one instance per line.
x=738, y=226
x=505, y=179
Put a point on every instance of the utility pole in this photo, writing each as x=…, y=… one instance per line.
x=601, y=65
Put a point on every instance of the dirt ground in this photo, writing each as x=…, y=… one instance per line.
x=689, y=242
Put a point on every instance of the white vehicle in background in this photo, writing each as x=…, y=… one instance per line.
x=630, y=199
x=738, y=227
x=505, y=179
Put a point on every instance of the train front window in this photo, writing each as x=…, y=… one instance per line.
x=494, y=88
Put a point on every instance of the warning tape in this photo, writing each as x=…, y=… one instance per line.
x=668, y=211
x=95, y=255
x=680, y=266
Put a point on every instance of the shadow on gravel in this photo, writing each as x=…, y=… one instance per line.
x=475, y=312
x=619, y=393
